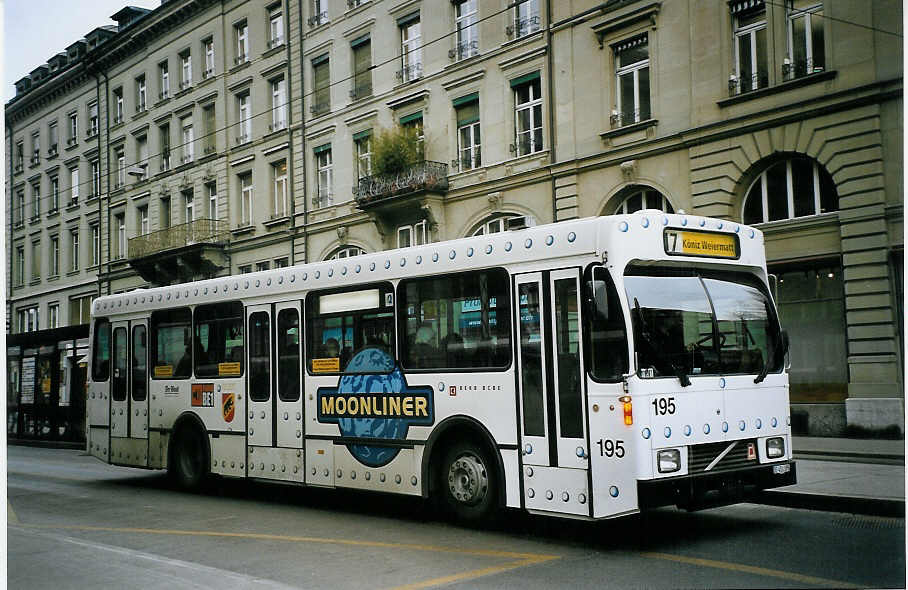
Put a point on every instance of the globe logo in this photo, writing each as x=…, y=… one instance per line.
x=372, y=401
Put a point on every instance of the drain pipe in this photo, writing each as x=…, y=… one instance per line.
x=551, y=109
x=303, y=138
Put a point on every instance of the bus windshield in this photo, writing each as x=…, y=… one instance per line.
x=690, y=324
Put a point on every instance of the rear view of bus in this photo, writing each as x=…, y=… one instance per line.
x=696, y=413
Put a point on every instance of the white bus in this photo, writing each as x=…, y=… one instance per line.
x=590, y=369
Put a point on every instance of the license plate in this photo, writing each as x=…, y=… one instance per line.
x=781, y=469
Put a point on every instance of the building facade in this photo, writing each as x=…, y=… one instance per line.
x=234, y=136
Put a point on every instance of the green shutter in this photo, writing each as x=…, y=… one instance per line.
x=359, y=41
x=474, y=97
x=417, y=116
x=406, y=20
x=524, y=79
x=320, y=60
x=362, y=135
x=322, y=148
x=468, y=113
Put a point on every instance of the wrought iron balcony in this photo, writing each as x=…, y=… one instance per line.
x=524, y=26
x=800, y=68
x=464, y=50
x=180, y=253
x=741, y=84
x=380, y=188
x=198, y=231
x=410, y=72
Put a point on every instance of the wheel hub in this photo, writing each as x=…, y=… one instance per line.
x=468, y=480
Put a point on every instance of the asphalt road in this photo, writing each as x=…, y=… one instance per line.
x=74, y=522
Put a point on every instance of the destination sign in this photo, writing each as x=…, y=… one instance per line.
x=696, y=243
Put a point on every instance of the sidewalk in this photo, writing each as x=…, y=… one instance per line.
x=846, y=475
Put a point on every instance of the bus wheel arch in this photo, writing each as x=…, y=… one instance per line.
x=462, y=448
x=189, y=452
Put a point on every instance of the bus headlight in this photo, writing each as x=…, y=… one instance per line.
x=775, y=447
x=669, y=460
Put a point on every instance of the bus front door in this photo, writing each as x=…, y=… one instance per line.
x=554, y=447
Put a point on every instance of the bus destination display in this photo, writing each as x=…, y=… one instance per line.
x=696, y=243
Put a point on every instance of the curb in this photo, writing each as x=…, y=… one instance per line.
x=828, y=503
x=844, y=457
x=46, y=444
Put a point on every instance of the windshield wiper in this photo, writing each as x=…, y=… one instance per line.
x=644, y=332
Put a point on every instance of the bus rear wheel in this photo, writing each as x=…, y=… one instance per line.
x=189, y=458
x=468, y=483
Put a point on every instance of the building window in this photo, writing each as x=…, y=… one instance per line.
x=95, y=244
x=36, y=201
x=140, y=94
x=345, y=252
x=73, y=186
x=118, y=105
x=279, y=190
x=20, y=156
x=142, y=153
x=188, y=139
x=413, y=123
x=244, y=121
x=322, y=82
x=54, y=194
x=281, y=262
x=246, y=199
x=164, y=214
x=262, y=266
x=188, y=206
x=95, y=178
x=19, y=209
x=637, y=198
x=319, y=13
x=142, y=215
x=20, y=266
x=362, y=67
x=210, y=128
x=526, y=19
x=164, y=76
x=411, y=235
x=325, y=170
x=54, y=255
x=363, y=143
x=806, y=51
x=73, y=128
x=275, y=26
x=494, y=225
x=208, y=47
x=74, y=250
x=164, y=132
x=466, y=13
x=527, y=114
x=410, y=48
x=241, y=34
x=468, y=136
x=53, y=315
x=36, y=148
x=80, y=310
x=120, y=223
x=52, y=139
x=93, y=118
x=36, y=260
x=751, y=69
x=244, y=269
x=28, y=319
x=185, y=70
x=278, y=104
x=632, y=81
x=796, y=187
x=212, y=190
x=120, y=159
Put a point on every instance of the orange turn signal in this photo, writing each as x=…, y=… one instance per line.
x=628, y=409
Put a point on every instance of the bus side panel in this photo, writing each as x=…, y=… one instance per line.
x=616, y=453
x=399, y=476
x=511, y=462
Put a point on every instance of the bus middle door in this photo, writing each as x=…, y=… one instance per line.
x=554, y=448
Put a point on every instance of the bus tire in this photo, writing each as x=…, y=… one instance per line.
x=468, y=483
x=189, y=458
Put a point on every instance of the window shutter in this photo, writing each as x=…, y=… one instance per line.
x=524, y=79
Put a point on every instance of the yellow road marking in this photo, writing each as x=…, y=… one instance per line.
x=11, y=517
x=750, y=569
x=473, y=574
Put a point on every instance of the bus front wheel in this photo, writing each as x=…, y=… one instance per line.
x=468, y=483
x=189, y=461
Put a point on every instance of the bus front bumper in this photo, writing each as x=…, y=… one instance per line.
x=696, y=492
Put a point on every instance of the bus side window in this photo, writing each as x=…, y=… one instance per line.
x=171, y=343
x=100, y=368
x=218, y=340
x=607, y=333
x=119, y=385
x=457, y=321
x=288, y=351
x=259, y=357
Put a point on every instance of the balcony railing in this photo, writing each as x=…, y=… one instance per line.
x=317, y=19
x=629, y=117
x=800, y=68
x=432, y=176
x=199, y=231
x=742, y=84
x=410, y=72
x=524, y=26
x=464, y=50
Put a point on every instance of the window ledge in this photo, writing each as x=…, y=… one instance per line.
x=783, y=87
x=91, y=200
x=240, y=66
x=183, y=92
x=162, y=101
x=52, y=213
x=35, y=282
x=799, y=223
x=71, y=146
x=274, y=50
x=140, y=114
x=619, y=131
x=72, y=206
x=245, y=229
x=73, y=273
x=276, y=221
x=53, y=278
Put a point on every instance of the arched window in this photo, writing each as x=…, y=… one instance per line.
x=640, y=197
x=796, y=187
x=346, y=252
x=493, y=225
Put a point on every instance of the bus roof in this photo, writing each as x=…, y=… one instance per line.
x=624, y=237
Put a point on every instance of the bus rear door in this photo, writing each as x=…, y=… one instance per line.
x=129, y=394
x=554, y=448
